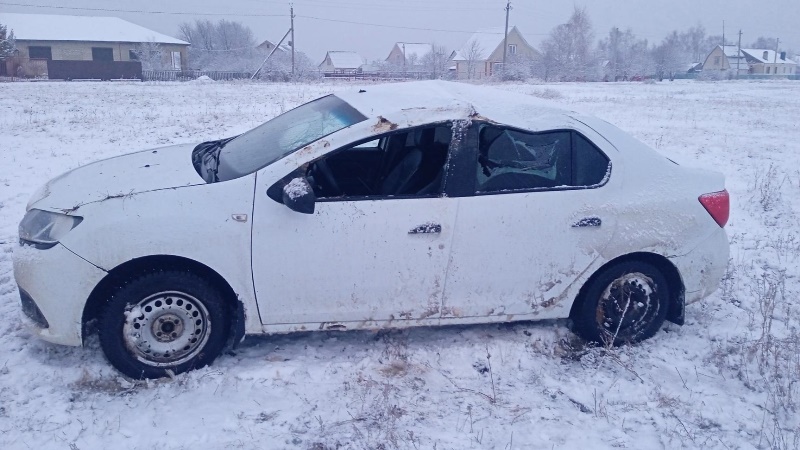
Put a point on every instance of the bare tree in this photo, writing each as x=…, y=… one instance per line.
x=473, y=55
x=625, y=55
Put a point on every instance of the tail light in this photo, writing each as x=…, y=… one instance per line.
x=718, y=204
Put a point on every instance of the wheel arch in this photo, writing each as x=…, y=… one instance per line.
x=138, y=266
x=677, y=300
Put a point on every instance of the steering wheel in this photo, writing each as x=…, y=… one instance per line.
x=331, y=187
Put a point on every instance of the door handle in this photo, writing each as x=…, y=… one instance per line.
x=426, y=228
x=588, y=222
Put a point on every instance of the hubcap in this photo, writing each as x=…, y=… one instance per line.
x=167, y=328
x=627, y=306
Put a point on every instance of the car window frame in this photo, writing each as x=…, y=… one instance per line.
x=275, y=191
x=468, y=175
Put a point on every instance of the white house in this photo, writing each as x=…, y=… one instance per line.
x=482, y=55
x=342, y=62
x=732, y=60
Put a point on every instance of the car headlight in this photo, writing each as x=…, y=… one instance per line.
x=44, y=229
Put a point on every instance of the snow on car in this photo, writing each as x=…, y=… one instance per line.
x=392, y=206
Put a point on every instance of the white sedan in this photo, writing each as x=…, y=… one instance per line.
x=413, y=204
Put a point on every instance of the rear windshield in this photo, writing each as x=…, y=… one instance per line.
x=284, y=135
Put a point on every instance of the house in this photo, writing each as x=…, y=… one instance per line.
x=482, y=55
x=769, y=62
x=408, y=55
x=342, y=62
x=76, y=42
x=267, y=47
x=735, y=61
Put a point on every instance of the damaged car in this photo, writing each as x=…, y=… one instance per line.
x=413, y=204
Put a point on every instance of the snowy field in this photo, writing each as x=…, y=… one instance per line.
x=728, y=379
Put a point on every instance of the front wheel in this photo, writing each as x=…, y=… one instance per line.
x=163, y=321
x=626, y=303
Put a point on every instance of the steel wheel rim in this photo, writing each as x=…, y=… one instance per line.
x=627, y=306
x=166, y=329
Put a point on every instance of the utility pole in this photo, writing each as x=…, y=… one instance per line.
x=505, y=39
x=291, y=15
x=777, y=46
x=739, y=54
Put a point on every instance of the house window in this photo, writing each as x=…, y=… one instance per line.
x=132, y=55
x=40, y=53
x=717, y=60
x=102, y=54
x=512, y=49
x=768, y=69
x=176, y=60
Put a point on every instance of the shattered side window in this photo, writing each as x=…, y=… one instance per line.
x=591, y=165
x=510, y=160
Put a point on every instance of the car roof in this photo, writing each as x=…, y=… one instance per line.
x=419, y=102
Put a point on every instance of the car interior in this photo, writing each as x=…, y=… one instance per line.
x=407, y=163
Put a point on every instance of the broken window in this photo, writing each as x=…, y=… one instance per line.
x=512, y=160
x=410, y=163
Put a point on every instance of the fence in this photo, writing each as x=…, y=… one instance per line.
x=184, y=75
x=379, y=75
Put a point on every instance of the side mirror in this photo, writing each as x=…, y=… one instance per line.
x=299, y=196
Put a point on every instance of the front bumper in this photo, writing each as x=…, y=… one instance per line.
x=57, y=283
x=703, y=267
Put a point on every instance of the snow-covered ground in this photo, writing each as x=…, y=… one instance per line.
x=729, y=378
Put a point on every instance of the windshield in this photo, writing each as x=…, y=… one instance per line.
x=284, y=135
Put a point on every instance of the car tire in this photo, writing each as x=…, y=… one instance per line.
x=163, y=323
x=625, y=303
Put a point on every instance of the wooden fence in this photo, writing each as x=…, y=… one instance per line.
x=184, y=75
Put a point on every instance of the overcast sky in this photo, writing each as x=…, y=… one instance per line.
x=322, y=24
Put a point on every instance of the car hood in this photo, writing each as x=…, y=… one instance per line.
x=118, y=177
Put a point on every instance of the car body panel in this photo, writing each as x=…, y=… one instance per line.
x=69, y=282
x=118, y=177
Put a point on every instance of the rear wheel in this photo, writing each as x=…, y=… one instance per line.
x=163, y=321
x=625, y=303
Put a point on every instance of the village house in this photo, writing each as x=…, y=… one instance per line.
x=53, y=46
x=342, y=62
x=409, y=56
x=482, y=55
x=267, y=47
x=734, y=61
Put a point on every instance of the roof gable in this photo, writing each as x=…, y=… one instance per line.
x=414, y=50
x=52, y=27
x=344, y=60
x=487, y=41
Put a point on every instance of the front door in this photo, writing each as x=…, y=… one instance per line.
x=377, y=245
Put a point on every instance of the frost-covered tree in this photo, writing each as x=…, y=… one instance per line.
x=767, y=43
x=435, y=61
x=693, y=43
x=624, y=55
x=225, y=45
x=7, y=42
x=568, y=50
x=150, y=55
x=473, y=56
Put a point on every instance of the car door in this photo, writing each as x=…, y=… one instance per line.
x=376, y=248
x=535, y=220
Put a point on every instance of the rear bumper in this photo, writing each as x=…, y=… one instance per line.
x=54, y=285
x=703, y=267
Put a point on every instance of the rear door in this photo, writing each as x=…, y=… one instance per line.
x=534, y=219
